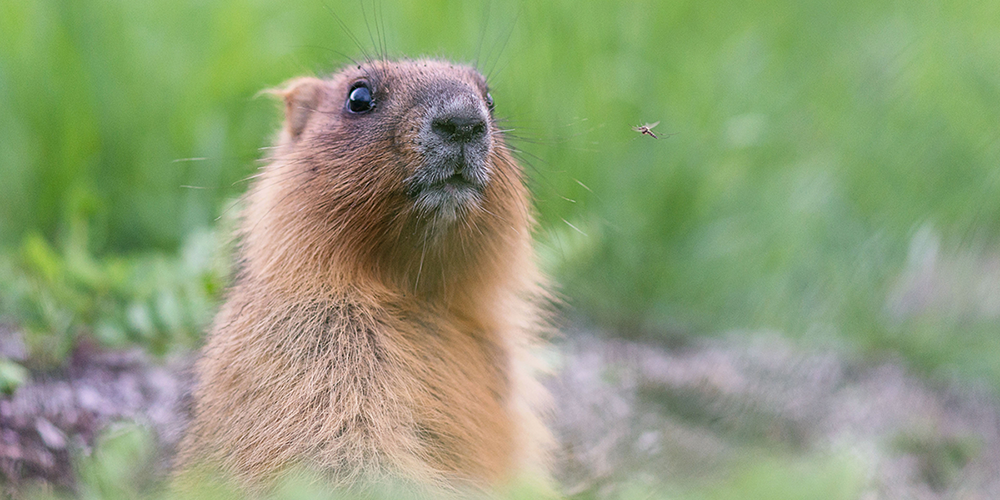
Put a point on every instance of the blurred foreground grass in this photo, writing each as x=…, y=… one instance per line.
x=119, y=466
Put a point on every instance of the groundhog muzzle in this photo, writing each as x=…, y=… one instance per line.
x=386, y=301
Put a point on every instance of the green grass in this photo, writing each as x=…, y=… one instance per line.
x=809, y=142
x=58, y=296
x=122, y=462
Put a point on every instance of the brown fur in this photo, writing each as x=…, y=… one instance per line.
x=364, y=338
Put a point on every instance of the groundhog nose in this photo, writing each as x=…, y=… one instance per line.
x=459, y=128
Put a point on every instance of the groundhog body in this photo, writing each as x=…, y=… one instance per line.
x=386, y=298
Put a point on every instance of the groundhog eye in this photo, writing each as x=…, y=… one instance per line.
x=489, y=101
x=360, y=99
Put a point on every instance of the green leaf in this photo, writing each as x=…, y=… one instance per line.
x=12, y=375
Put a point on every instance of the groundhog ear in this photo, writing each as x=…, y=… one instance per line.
x=302, y=97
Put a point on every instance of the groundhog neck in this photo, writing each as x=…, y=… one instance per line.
x=464, y=267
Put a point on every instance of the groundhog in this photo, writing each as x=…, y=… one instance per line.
x=386, y=303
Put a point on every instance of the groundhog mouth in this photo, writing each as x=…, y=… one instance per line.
x=448, y=198
x=456, y=183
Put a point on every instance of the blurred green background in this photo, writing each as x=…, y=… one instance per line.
x=827, y=170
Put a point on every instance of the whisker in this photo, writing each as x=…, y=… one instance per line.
x=572, y=226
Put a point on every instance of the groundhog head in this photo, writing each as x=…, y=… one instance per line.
x=400, y=162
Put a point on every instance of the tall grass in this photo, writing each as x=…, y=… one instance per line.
x=805, y=144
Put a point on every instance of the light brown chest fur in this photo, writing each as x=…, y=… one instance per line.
x=361, y=390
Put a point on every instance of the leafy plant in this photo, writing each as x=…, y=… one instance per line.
x=156, y=300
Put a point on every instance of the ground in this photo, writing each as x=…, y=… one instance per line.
x=626, y=413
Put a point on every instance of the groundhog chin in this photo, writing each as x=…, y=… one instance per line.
x=449, y=199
